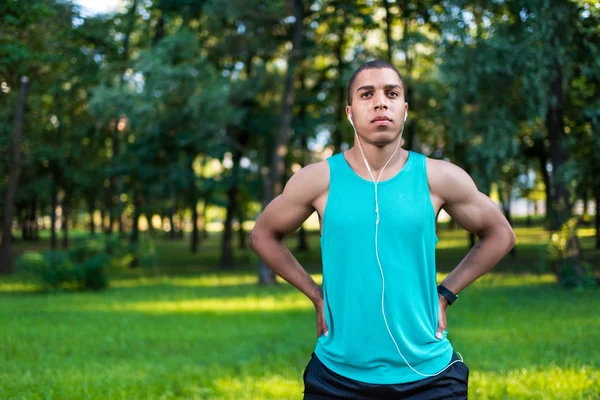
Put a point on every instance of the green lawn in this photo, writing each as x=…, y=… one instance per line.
x=197, y=333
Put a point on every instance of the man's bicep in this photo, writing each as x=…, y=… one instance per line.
x=284, y=215
x=476, y=213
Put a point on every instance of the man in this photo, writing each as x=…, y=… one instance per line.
x=381, y=320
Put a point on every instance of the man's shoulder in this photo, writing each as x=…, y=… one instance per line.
x=310, y=181
x=316, y=170
x=447, y=179
x=442, y=168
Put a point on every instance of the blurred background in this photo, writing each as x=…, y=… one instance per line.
x=140, y=140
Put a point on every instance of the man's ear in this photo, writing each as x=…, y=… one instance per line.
x=349, y=113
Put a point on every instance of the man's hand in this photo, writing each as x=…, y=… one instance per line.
x=453, y=190
x=283, y=216
x=321, y=323
x=442, y=307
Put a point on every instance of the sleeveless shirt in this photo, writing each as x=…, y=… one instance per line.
x=358, y=345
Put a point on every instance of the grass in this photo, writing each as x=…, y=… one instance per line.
x=198, y=333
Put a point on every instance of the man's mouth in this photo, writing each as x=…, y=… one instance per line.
x=381, y=119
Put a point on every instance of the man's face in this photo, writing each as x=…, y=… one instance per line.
x=378, y=105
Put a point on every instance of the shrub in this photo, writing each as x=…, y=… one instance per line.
x=564, y=258
x=84, y=266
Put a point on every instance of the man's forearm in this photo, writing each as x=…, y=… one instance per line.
x=279, y=258
x=486, y=253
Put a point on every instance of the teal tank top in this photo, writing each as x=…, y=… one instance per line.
x=358, y=345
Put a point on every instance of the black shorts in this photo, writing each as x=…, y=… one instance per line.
x=321, y=383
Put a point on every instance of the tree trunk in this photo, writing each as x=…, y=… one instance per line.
x=134, y=238
x=558, y=156
x=227, y=239
x=342, y=98
x=452, y=226
x=25, y=223
x=586, y=209
x=116, y=185
x=91, y=212
x=194, y=204
x=273, y=181
x=180, y=224
x=505, y=203
x=598, y=220
x=409, y=128
x=35, y=231
x=121, y=218
x=106, y=212
x=135, y=230
x=302, y=115
x=242, y=241
x=528, y=222
x=6, y=255
x=32, y=220
x=226, y=262
x=388, y=31
x=172, y=222
x=547, y=187
x=65, y=222
x=302, y=239
x=203, y=219
x=472, y=239
x=159, y=33
x=195, y=234
x=54, y=204
x=508, y=215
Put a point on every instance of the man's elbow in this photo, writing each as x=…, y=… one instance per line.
x=252, y=239
x=250, y=242
x=504, y=237
x=258, y=236
x=511, y=239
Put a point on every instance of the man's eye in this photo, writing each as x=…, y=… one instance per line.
x=393, y=94
x=365, y=94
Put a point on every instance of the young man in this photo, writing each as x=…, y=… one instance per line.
x=381, y=319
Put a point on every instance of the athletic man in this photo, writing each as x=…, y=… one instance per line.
x=381, y=319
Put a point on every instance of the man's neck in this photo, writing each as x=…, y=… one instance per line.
x=377, y=157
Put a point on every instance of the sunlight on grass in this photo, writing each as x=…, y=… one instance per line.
x=17, y=287
x=265, y=388
x=192, y=281
x=536, y=383
x=507, y=280
x=527, y=236
x=223, y=305
x=448, y=243
x=585, y=232
x=208, y=280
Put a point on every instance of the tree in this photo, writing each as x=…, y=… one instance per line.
x=6, y=260
x=273, y=180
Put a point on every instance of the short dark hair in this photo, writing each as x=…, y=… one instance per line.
x=375, y=64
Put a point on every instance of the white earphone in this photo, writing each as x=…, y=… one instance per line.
x=376, y=182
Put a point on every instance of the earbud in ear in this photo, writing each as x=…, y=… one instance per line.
x=350, y=120
x=405, y=114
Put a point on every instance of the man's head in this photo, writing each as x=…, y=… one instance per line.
x=376, y=103
x=375, y=64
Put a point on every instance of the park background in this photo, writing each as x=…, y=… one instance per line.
x=140, y=139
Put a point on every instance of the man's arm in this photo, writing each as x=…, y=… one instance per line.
x=284, y=215
x=478, y=214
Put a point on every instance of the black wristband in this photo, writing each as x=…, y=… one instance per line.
x=444, y=291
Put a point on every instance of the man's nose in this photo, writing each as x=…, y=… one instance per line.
x=380, y=102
